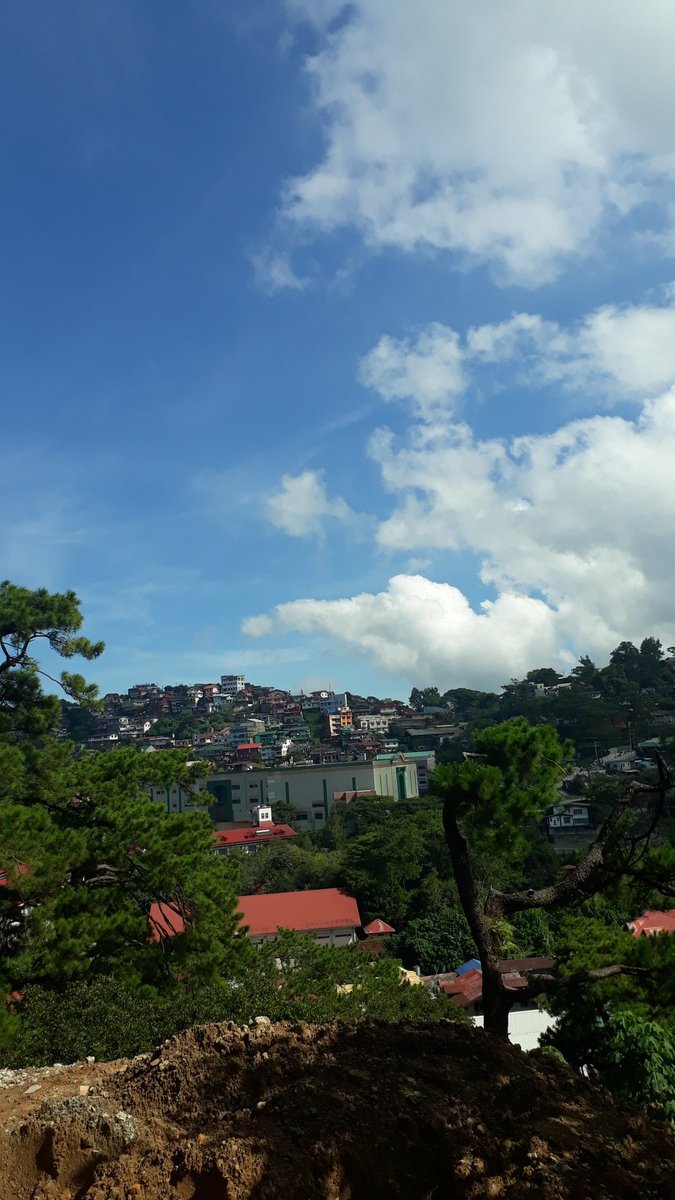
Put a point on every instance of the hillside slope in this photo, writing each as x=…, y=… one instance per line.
x=332, y=1112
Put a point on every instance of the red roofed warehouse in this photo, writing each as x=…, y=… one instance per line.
x=331, y=915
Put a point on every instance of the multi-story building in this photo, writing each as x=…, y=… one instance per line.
x=424, y=760
x=246, y=731
x=232, y=685
x=231, y=795
x=375, y=723
x=338, y=721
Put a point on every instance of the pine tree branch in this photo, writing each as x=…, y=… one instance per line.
x=582, y=882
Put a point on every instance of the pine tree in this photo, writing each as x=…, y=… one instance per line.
x=85, y=853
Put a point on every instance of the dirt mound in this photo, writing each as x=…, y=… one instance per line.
x=333, y=1112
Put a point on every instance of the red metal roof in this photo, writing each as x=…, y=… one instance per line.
x=465, y=989
x=653, y=922
x=21, y=869
x=249, y=746
x=266, y=832
x=164, y=921
x=378, y=926
x=468, y=988
x=326, y=908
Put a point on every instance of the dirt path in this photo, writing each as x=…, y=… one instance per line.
x=331, y=1112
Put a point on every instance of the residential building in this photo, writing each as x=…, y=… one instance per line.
x=652, y=923
x=619, y=758
x=338, y=721
x=330, y=915
x=569, y=814
x=247, y=730
x=375, y=723
x=249, y=752
x=232, y=686
x=527, y=1021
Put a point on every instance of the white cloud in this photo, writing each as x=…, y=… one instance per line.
x=504, y=133
x=302, y=505
x=429, y=371
x=573, y=528
x=615, y=354
x=428, y=631
x=581, y=517
x=273, y=271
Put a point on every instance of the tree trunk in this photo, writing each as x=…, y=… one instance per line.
x=496, y=1003
x=497, y=1000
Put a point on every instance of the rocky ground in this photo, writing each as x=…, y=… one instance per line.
x=331, y=1112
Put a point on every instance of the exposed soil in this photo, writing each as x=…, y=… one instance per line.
x=297, y=1112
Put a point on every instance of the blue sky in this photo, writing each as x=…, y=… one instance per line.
x=338, y=342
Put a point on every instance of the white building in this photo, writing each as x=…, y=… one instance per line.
x=232, y=685
x=569, y=814
x=374, y=723
x=310, y=790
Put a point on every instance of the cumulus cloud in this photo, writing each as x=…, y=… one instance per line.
x=504, y=133
x=427, y=630
x=302, y=505
x=428, y=370
x=572, y=528
x=574, y=531
x=619, y=353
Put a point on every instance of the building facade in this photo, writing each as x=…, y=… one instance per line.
x=310, y=790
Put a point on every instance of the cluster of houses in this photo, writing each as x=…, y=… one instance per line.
x=237, y=722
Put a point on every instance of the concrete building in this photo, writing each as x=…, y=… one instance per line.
x=232, y=685
x=570, y=814
x=424, y=760
x=310, y=790
x=330, y=915
x=338, y=721
x=375, y=723
x=248, y=730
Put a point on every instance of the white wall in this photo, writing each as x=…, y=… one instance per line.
x=525, y=1026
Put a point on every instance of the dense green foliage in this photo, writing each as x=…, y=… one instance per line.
x=85, y=852
x=294, y=979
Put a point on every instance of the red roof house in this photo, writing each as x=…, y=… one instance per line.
x=378, y=927
x=252, y=838
x=331, y=915
x=651, y=923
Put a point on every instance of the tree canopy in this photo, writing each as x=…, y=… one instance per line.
x=85, y=853
x=490, y=798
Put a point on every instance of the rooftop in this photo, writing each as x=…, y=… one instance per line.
x=652, y=922
x=244, y=836
x=325, y=908
x=378, y=926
